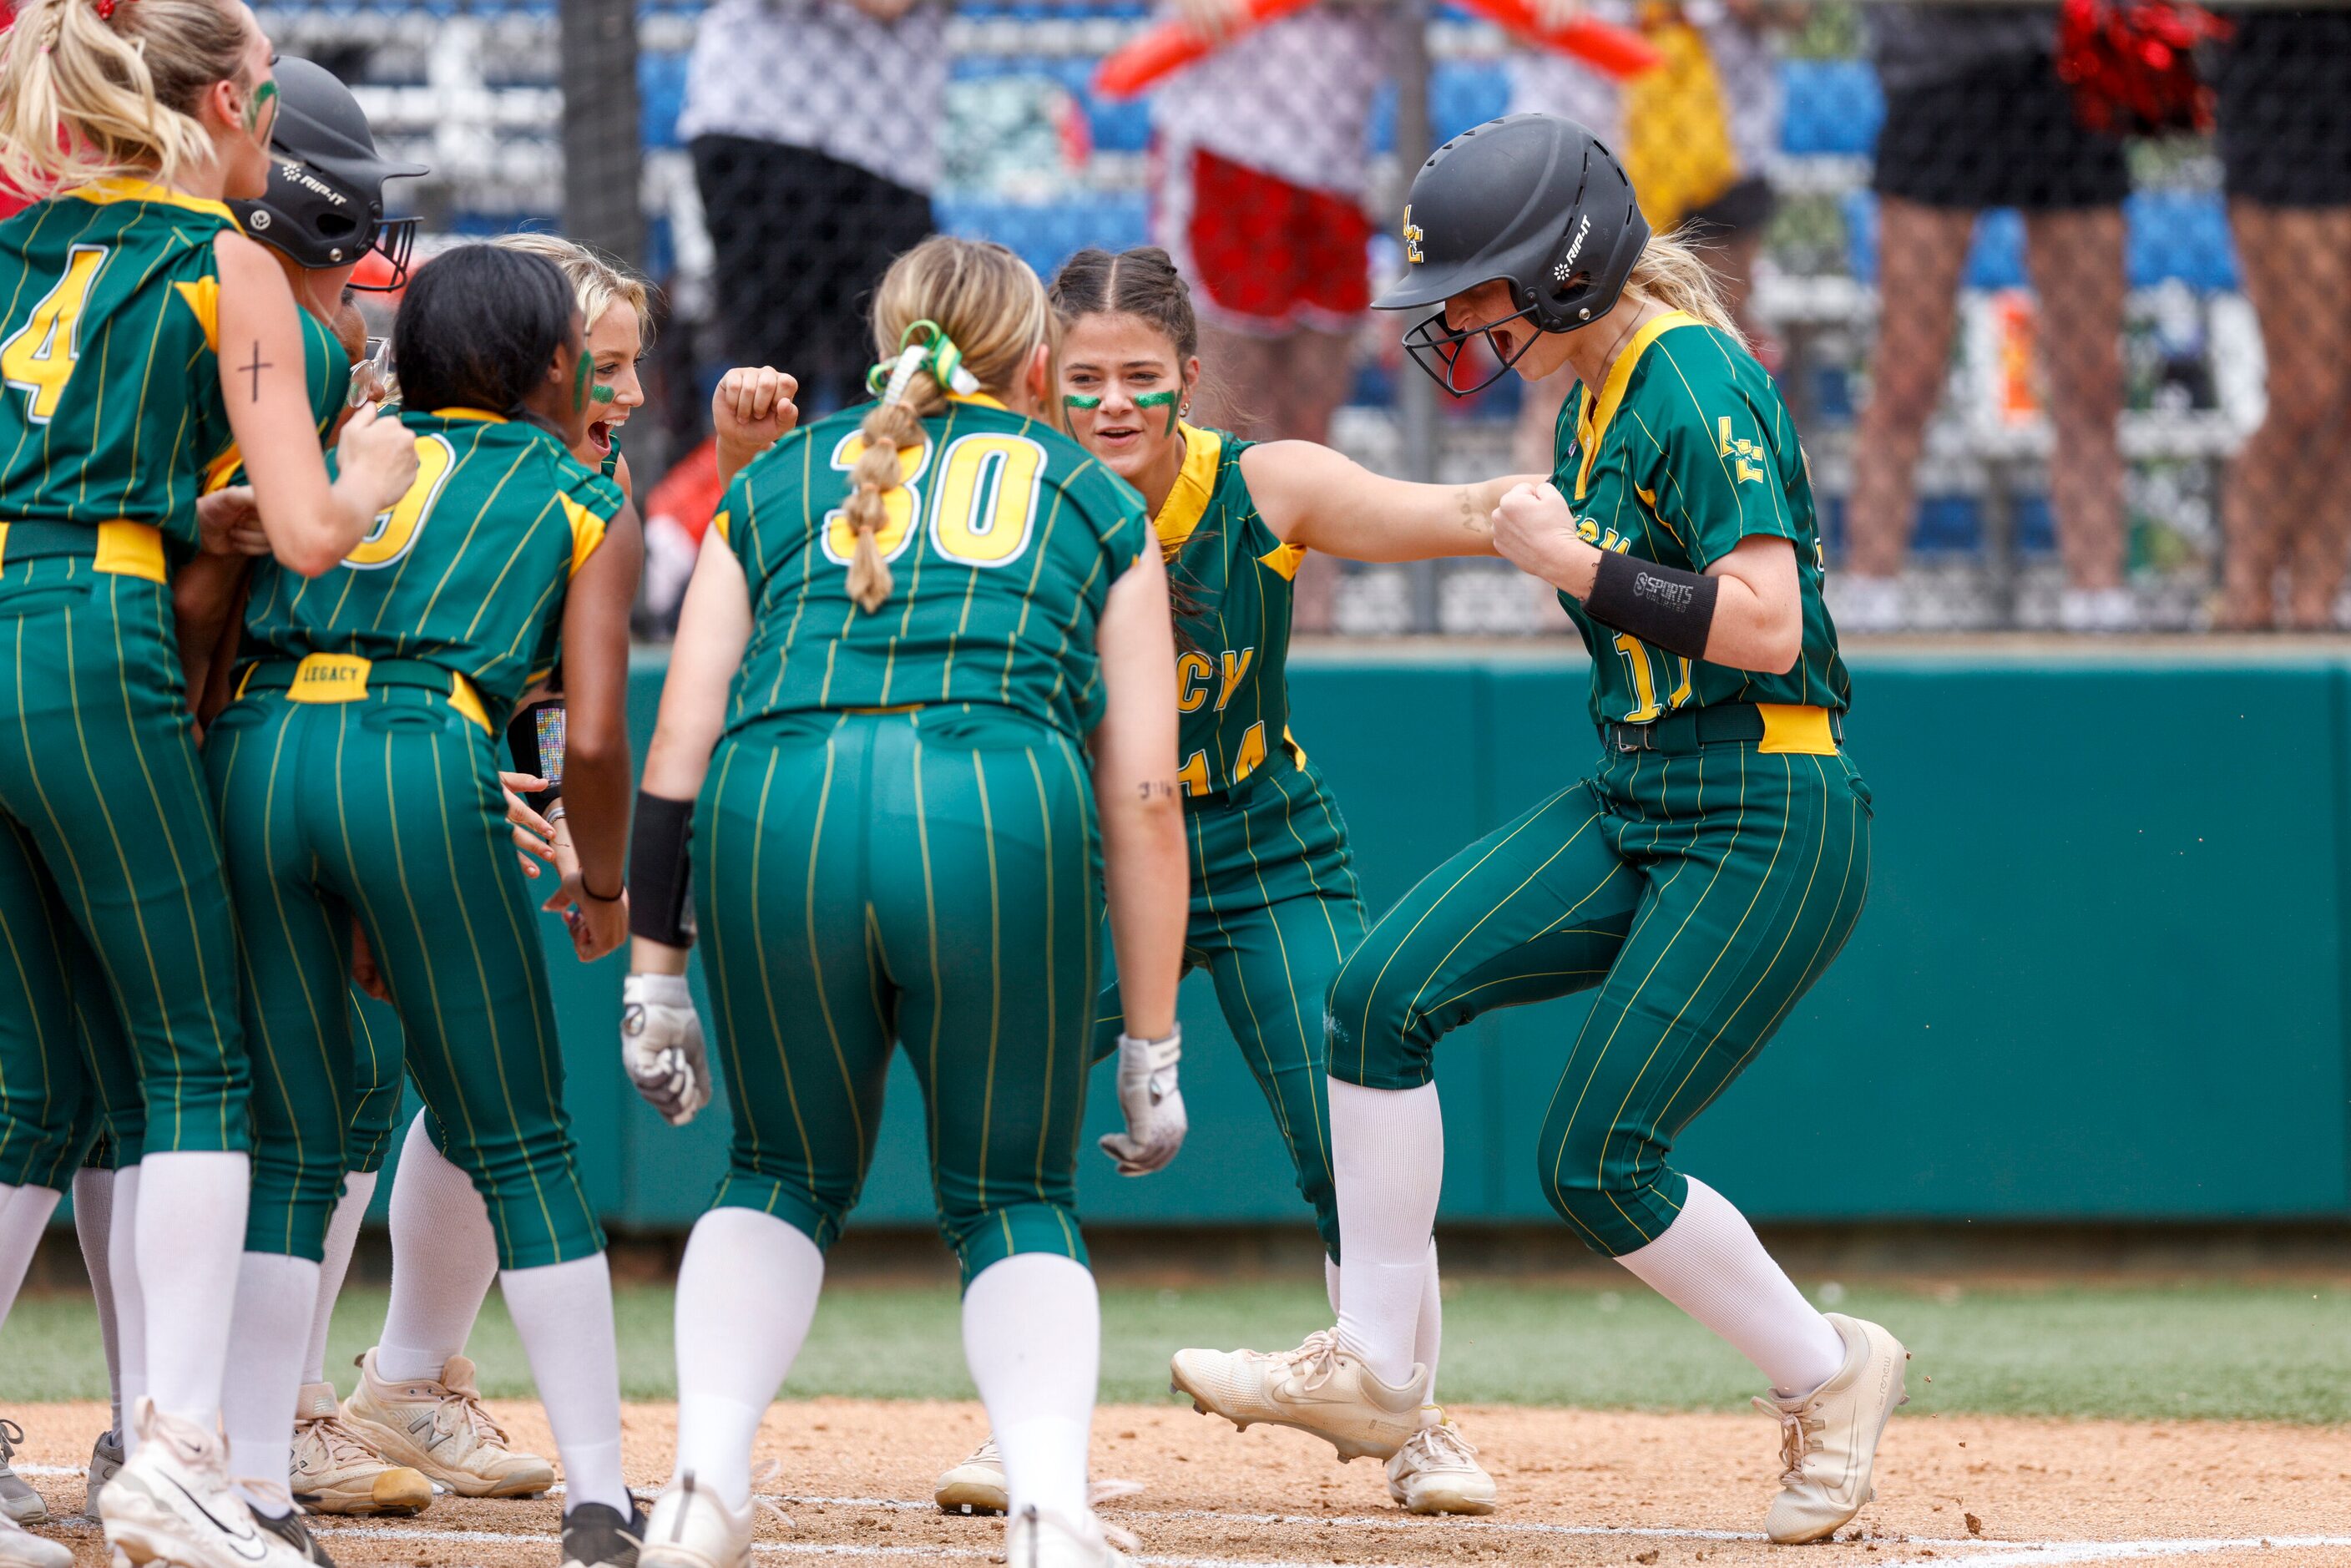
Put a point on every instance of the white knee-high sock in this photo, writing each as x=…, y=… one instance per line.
x=23, y=1213
x=129, y=1300
x=342, y=1235
x=444, y=1258
x=1427, y=1329
x=276, y=1299
x=93, y=1196
x=745, y=1295
x=1330, y=1285
x=191, y=1239
x=1388, y=1149
x=1032, y=1334
x=564, y=1313
x=1709, y=1263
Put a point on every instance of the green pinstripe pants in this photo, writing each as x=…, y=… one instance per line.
x=376, y=1082
x=388, y=808
x=930, y=878
x=1703, y=893
x=1274, y=911
x=110, y=881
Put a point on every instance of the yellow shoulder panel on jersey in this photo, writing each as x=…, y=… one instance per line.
x=102, y=193
x=1591, y=421
x=202, y=300
x=1285, y=560
x=587, y=530
x=718, y=520
x=1188, y=503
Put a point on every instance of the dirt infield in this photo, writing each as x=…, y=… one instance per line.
x=1578, y=1489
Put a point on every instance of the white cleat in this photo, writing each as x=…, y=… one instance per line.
x=1035, y=1538
x=173, y=1503
x=334, y=1472
x=1436, y=1471
x=439, y=1428
x=693, y=1528
x=1317, y=1388
x=974, y=1486
x=1828, y=1438
x=19, y=1548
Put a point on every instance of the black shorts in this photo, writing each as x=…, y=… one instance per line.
x=1743, y=209
x=2285, y=109
x=2000, y=135
x=799, y=242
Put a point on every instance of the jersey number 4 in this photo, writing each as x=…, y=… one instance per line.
x=983, y=501
x=39, y=357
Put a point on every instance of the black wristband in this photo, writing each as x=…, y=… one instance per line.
x=535, y=741
x=1662, y=605
x=661, y=870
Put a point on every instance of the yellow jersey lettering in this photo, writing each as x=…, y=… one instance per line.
x=1193, y=673
x=39, y=357
x=394, y=533
x=1747, y=456
x=1237, y=669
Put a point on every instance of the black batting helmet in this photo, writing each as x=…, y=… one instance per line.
x=324, y=206
x=1531, y=200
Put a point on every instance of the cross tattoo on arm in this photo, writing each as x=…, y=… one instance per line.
x=257, y=367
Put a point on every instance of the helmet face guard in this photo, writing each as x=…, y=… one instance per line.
x=395, y=239
x=1436, y=347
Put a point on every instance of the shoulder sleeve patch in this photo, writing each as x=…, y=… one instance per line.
x=202, y=297
x=591, y=502
x=720, y=520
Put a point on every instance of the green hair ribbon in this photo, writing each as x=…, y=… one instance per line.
x=936, y=352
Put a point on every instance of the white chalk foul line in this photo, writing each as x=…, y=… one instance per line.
x=337, y=1528
x=2060, y=1551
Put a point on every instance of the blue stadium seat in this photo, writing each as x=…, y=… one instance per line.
x=1045, y=235
x=1830, y=107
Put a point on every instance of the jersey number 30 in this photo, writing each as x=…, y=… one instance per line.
x=39, y=357
x=983, y=501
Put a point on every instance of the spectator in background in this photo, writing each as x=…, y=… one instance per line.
x=813, y=126
x=1696, y=136
x=1262, y=166
x=2285, y=158
x=1976, y=118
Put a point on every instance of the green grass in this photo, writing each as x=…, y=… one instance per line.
x=2270, y=1351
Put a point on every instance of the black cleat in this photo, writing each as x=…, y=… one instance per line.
x=596, y=1536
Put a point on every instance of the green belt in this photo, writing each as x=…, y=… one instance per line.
x=1682, y=733
x=278, y=675
x=344, y=677
x=116, y=545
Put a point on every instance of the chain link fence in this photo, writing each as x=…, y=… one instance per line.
x=2066, y=355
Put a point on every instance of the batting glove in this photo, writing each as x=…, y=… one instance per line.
x=661, y=1046
x=1154, y=1105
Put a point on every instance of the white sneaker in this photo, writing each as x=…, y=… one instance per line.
x=1868, y=604
x=440, y=1427
x=1828, y=1438
x=1436, y=1471
x=691, y=1528
x=974, y=1486
x=1317, y=1388
x=1035, y=1538
x=173, y=1503
x=21, y=1549
x=105, y=1460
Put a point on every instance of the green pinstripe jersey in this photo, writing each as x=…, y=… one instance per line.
x=1003, y=540
x=109, y=321
x=468, y=570
x=1232, y=680
x=1687, y=451
x=326, y=373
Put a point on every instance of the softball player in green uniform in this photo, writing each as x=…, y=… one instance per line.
x=389, y=677
x=904, y=633
x=1701, y=879
x=1274, y=906
x=139, y=333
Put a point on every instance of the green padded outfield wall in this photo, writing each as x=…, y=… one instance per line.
x=2103, y=973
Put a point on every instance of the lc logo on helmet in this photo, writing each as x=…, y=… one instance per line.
x=1411, y=238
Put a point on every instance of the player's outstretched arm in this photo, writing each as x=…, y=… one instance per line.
x=1144, y=871
x=1325, y=500
x=312, y=522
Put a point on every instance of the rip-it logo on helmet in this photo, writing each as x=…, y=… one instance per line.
x=1533, y=201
